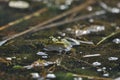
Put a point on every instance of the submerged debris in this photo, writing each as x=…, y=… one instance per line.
x=42, y=63
x=104, y=68
x=106, y=74
x=81, y=32
x=3, y=42
x=6, y=61
x=61, y=4
x=89, y=8
x=91, y=20
x=39, y=63
x=58, y=61
x=99, y=70
x=41, y=53
x=86, y=31
x=116, y=40
x=96, y=63
x=19, y=4
x=35, y=75
x=8, y=58
x=109, y=9
x=113, y=58
x=50, y=76
x=44, y=57
x=28, y=67
x=78, y=78
x=72, y=41
x=83, y=68
x=96, y=28
x=62, y=34
x=92, y=55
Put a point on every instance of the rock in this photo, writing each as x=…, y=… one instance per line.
x=96, y=63
x=104, y=68
x=89, y=30
x=116, y=40
x=106, y=74
x=44, y=57
x=99, y=69
x=41, y=53
x=8, y=58
x=89, y=8
x=51, y=76
x=35, y=75
x=113, y=58
x=19, y=4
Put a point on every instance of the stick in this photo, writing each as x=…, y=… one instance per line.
x=109, y=9
x=107, y=37
x=73, y=10
x=97, y=13
x=37, y=28
x=24, y=18
x=91, y=77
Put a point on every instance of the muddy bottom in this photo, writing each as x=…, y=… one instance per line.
x=85, y=49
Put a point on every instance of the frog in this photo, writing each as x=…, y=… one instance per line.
x=58, y=44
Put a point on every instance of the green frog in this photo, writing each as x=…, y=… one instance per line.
x=57, y=44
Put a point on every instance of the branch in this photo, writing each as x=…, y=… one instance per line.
x=24, y=18
x=91, y=77
x=107, y=37
x=37, y=28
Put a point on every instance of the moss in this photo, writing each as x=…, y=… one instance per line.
x=64, y=76
x=86, y=72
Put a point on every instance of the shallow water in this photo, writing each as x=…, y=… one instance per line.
x=22, y=50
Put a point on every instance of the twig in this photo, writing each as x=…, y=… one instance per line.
x=73, y=10
x=65, y=68
x=97, y=13
x=107, y=37
x=97, y=67
x=37, y=28
x=24, y=18
x=109, y=9
x=91, y=77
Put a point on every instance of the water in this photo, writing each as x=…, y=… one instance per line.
x=24, y=48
